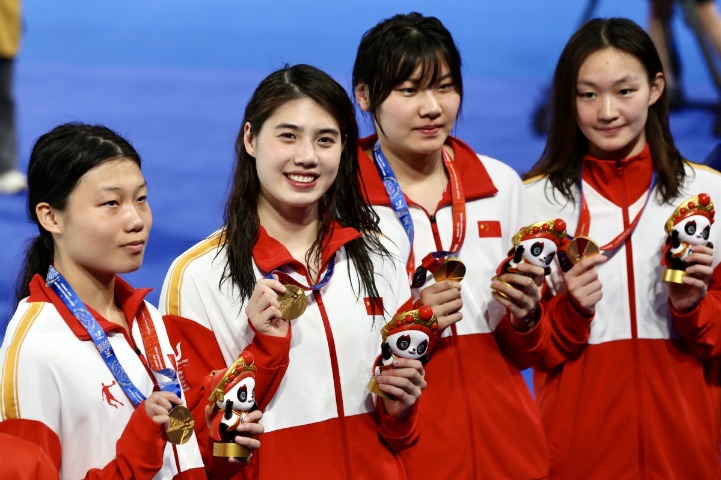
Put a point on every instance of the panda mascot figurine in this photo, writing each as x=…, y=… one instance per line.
x=536, y=244
x=232, y=398
x=409, y=334
x=689, y=225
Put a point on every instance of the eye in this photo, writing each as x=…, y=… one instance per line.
x=585, y=95
x=327, y=141
x=446, y=87
x=549, y=258
x=111, y=203
x=626, y=91
x=243, y=393
x=422, y=347
x=403, y=342
x=142, y=199
x=706, y=232
x=537, y=249
x=286, y=136
x=690, y=227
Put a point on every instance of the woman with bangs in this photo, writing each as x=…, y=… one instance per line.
x=445, y=205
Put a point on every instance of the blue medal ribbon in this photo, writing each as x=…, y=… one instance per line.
x=71, y=300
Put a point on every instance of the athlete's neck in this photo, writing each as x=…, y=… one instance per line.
x=296, y=229
x=95, y=289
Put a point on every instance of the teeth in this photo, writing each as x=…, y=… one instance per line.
x=301, y=178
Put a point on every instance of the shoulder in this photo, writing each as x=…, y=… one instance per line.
x=199, y=256
x=701, y=178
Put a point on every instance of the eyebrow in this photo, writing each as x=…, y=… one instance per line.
x=117, y=189
x=626, y=79
x=291, y=126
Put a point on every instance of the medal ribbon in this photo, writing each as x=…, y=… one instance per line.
x=288, y=279
x=400, y=208
x=71, y=300
x=584, y=219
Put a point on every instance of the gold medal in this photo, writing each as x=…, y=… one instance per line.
x=503, y=294
x=180, y=426
x=292, y=302
x=450, y=269
x=580, y=248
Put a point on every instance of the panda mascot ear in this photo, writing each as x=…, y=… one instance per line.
x=518, y=255
x=386, y=350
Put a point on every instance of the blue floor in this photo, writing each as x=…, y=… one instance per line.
x=174, y=76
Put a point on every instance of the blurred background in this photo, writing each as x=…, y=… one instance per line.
x=173, y=77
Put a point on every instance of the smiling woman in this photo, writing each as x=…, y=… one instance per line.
x=298, y=276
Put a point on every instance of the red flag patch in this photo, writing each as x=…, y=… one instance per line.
x=489, y=228
x=374, y=305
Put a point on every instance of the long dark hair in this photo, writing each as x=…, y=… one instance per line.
x=566, y=144
x=58, y=160
x=342, y=203
x=391, y=52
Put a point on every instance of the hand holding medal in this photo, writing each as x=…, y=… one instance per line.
x=293, y=302
x=689, y=225
x=232, y=398
x=409, y=334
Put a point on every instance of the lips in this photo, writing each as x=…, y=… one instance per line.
x=135, y=246
x=301, y=178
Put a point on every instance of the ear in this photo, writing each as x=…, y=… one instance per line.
x=657, y=87
x=249, y=139
x=49, y=218
x=361, y=96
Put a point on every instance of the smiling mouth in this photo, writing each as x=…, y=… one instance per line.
x=301, y=178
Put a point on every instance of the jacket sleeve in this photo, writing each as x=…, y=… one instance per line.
x=701, y=327
x=31, y=450
x=138, y=454
x=399, y=433
x=567, y=332
x=272, y=356
x=523, y=348
x=139, y=451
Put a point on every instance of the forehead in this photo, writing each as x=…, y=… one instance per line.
x=610, y=64
x=110, y=174
x=303, y=113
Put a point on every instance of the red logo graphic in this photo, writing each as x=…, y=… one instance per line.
x=109, y=397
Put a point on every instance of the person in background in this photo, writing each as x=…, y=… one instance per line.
x=661, y=32
x=11, y=180
x=628, y=386
x=440, y=201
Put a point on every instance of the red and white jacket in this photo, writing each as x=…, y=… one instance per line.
x=480, y=420
x=58, y=391
x=634, y=391
x=320, y=418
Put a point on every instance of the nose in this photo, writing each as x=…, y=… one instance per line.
x=135, y=219
x=306, y=154
x=607, y=109
x=430, y=106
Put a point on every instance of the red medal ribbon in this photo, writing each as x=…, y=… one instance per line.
x=584, y=221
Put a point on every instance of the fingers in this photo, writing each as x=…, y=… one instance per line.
x=263, y=309
x=404, y=382
x=158, y=404
x=584, y=286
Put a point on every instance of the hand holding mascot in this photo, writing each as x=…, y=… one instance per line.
x=689, y=225
x=232, y=398
x=409, y=334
